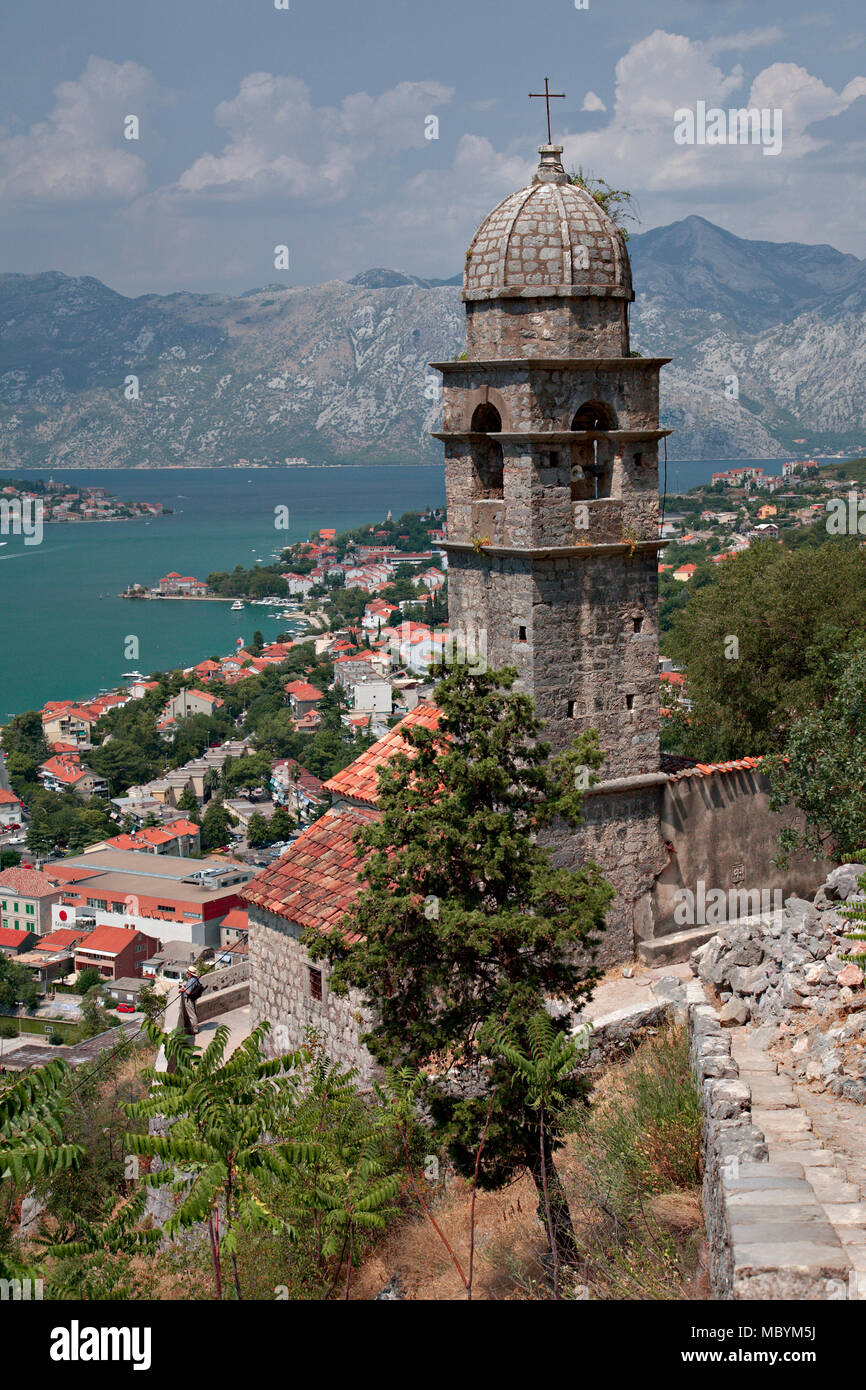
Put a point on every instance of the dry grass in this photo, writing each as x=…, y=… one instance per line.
x=505, y=1233
x=630, y=1169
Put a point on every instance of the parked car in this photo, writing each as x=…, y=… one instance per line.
x=126, y=1008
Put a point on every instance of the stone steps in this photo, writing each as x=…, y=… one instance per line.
x=674, y=948
x=826, y=1224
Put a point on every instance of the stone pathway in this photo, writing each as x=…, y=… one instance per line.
x=809, y=1198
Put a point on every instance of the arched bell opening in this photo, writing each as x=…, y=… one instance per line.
x=487, y=458
x=592, y=459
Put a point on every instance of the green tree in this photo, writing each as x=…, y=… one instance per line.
x=17, y=985
x=258, y=831
x=543, y=1073
x=791, y=613
x=32, y=1145
x=463, y=924
x=151, y=1002
x=215, y=826
x=188, y=803
x=281, y=824
x=344, y=1192
x=94, y=1018
x=88, y=979
x=222, y=1112
x=820, y=769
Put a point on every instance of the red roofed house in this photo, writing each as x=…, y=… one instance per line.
x=234, y=927
x=26, y=899
x=182, y=585
x=66, y=773
x=312, y=886
x=378, y=613
x=684, y=572
x=13, y=941
x=303, y=697
x=63, y=720
x=293, y=786
x=188, y=702
x=10, y=809
x=115, y=951
x=181, y=837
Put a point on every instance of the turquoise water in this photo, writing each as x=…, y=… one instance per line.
x=63, y=630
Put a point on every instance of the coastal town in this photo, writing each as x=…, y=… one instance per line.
x=374, y=602
x=267, y=724
x=65, y=502
x=462, y=894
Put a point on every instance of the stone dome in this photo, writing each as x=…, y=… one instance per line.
x=551, y=238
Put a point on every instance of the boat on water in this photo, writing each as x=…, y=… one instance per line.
x=237, y=606
x=131, y=676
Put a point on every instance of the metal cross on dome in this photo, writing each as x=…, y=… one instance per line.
x=547, y=94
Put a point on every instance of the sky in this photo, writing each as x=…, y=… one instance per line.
x=309, y=127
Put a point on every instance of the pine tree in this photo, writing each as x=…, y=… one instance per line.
x=465, y=925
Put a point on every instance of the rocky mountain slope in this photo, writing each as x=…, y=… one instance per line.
x=338, y=372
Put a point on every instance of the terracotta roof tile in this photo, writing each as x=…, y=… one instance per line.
x=710, y=769
x=359, y=781
x=30, y=883
x=316, y=881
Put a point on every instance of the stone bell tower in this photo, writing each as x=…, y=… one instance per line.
x=551, y=438
x=551, y=469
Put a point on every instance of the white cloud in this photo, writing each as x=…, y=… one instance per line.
x=278, y=141
x=591, y=102
x=732, y=184
x=803, y=99
x=79, y=151
x=742, y=41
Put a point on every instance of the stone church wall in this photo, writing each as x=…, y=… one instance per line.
x=620, y=833
x=280, y=993
x=723, y=832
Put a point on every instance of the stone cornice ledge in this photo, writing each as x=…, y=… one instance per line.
x=554, y=552
x=627, y=784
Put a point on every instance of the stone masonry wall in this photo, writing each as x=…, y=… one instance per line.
x=532, y=327
x=620, y=833
x=280, y=994
x=548, y=398
x=579, y=655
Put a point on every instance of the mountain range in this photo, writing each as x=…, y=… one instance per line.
x=768, y=342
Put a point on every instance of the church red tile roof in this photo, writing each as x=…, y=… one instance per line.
x=707, y=769
x=316, y=881
x=359, y=781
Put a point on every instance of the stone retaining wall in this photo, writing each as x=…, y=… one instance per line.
x=728, y=1137
x=769, y=1236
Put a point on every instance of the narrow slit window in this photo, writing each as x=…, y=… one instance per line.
x=571, y=709
x=629, y=702
x=315, y=983
x=521, y=634
x=638, y=624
